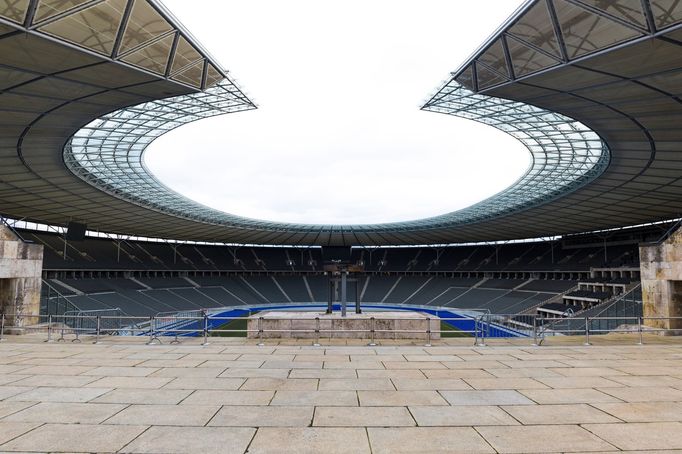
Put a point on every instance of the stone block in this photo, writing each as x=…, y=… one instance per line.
x=303, y=325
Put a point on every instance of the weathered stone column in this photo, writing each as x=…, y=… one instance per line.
x=661, y=273
x=21, y=266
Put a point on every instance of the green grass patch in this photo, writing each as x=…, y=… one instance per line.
x=231, y=324
x=448, y=330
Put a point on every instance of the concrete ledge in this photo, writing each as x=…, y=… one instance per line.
x=302, y=325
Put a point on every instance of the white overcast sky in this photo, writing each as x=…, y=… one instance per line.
x=338, y=137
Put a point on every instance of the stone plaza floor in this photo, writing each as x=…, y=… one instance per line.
x=233, y=396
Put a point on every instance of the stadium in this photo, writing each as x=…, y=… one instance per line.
x=135, y=319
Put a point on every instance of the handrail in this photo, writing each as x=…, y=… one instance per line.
x=204, y=329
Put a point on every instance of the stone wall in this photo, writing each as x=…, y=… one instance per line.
x=661, y=273
x=21, y=266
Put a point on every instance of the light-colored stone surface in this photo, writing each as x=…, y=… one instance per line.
x=72, y=413
x=75, y=438
x=263, y=416
x=644, y=411
x=558, y=414
x=488, y=397
x=536, y=439
x=427, y=440
x=399, y=398
x=362, y=417
x=165, y=415
x=302, y=325
x=310, y=440
x=178, y=440
x=461, y=416
x=640, y=436
x=233, y=396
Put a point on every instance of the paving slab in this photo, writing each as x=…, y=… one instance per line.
x=461, y=416
x=310, y=440
x=144, y=396
x=180, y=440
x=640, y=436
x=427, y=440
x=165, y=415
x=72, y=413
x=645, y=394
x=277, y=384
x=399, y=398
x=205, y=383
x=12, y=429
x=487, y=397
x=54, y=394
x=568, y=396
x=75, y=438
x=540, y=439
x=220, y=397
x=558, y=414
x=357, y=384
x=263, y=416
x=644, y=411
x=363, y=417
x=505, y=383
x=315, y=398
x=130, y=382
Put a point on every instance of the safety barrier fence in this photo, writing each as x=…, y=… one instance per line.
x=72, y=327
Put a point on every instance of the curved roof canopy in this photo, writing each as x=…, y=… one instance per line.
x=590, y=87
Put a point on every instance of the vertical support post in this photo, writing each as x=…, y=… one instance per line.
x=49, y=328
x=428, y=332
x=344, y=296
x=639, y=328
x=587, y=331
x=317, y=332
x=98, y=330
x=475, y=331
x=357, y=296
x=330, y=296
x=535, y=331
x=205, y=342
x=372, y=329
x=152, y=335
x=260, y=332
x=2, y=328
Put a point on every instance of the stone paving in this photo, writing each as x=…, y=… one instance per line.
x=235, y=397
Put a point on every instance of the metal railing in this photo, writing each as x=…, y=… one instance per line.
x=98, y=324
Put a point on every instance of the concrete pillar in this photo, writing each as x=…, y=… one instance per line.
x=661, y=275
x=21, y=266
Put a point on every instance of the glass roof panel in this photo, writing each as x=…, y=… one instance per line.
x=213, y=76
x=14, y=10
x=94, y=28
x=628, y=10
x=585, y=32
x=495, y=59
x=526, y=60
x=144, y=24
x=535, y=27
x=467, y=78
x=488, y=78
x=666, y=12
x=185, y=54
x=191, y=75
x=153, y=57
x=49, y=8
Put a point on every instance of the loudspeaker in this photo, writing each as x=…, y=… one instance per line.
x=75, y=231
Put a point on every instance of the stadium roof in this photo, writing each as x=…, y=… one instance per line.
x=591, y=87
